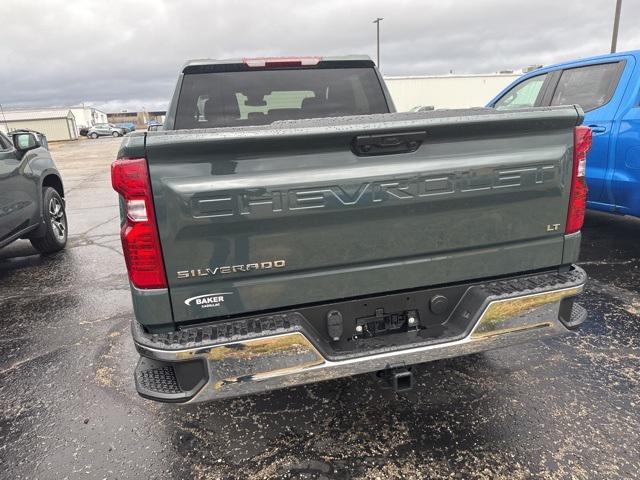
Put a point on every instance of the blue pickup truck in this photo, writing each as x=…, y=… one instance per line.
x=608, y=89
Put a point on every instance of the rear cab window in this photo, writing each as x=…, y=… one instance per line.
x=259, y=97
x=591, y=86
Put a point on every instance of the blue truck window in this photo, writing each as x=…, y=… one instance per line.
x=522, y=95
x=590, y=87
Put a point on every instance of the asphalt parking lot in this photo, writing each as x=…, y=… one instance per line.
x=563, y=408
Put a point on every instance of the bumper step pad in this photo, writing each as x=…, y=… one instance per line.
x=158, y=378
x=169, y=382
x=578, y=315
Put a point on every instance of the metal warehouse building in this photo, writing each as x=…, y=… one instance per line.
x=56, y=124
x=446, y=91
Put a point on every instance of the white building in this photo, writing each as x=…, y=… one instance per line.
x=88, y=116
x=446, y=91
x=56, y=123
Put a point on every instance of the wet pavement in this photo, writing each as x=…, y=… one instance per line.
x=564, y=408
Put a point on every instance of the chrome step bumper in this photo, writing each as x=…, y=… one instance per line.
x=277, y=352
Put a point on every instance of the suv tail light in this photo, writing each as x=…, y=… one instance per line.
x=140, y=241
x=578, y=195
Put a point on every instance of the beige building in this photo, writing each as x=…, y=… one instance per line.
x=56, y=124
x=446, y=91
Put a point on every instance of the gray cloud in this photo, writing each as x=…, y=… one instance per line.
x=126, y=54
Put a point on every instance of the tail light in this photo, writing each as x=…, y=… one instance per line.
x=578, y=195
x=280, y=62
x=139, y=234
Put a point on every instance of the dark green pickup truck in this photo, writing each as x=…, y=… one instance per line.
x=286, y=227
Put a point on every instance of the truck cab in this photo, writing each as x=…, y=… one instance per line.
x=607, y=88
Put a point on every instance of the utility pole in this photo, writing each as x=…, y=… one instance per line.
x=616, y=24
x=377, y=22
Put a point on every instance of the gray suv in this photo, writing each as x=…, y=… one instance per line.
x=31, y=193
x=105, y=130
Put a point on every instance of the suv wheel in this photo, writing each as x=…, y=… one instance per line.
x=93, y=135
x=115, y=134
x=55, y=219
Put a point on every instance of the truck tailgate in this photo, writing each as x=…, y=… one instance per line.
x=261, y=218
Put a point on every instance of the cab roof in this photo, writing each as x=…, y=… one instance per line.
x=266, y=63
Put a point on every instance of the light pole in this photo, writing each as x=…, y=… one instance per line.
x=377, y=22
x=616, y=24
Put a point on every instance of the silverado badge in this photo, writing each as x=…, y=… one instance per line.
x=222, y=270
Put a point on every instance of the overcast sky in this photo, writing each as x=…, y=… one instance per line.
x=127, y=54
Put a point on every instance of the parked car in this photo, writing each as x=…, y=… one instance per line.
x=275, y=253
x=31, y=193
x=606, y=87
x=127, y=127
x=105, y=130
x=155, y=127
x=40, y=137
x=83, y=131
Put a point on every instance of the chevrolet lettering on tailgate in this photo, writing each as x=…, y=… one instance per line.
x=304, y=198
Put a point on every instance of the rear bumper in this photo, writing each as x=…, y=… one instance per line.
x=277, y=351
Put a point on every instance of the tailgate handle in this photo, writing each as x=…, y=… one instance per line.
x=388, y=143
